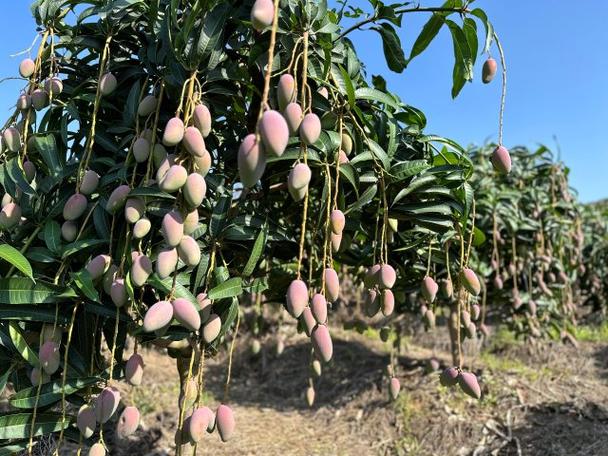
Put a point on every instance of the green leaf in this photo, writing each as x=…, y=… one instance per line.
x=16, y=174
x=463, y=63
x=4, y=379
x=212, y=30
x=364, y=200
x=25, y=312
x=228, y=289
x=348, y=86
x=220, y=215
x=393, y=52
x=23, y=291
x=151, y=192
x=19, y=425
x=79, y=246
x=403, y=170
x=479, y=13
x=84, y=282
x=256, y=252
x=48, y=150
x=166, y=285
x=16, y=258
x=52, y=236
x=21, y=345
x=50, y=393
x=428, y=33
x=370, y=94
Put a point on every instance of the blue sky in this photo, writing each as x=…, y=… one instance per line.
x=557, y=79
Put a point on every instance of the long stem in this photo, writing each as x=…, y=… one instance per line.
x=503, y=95
x=273, y=39
x=232, y=344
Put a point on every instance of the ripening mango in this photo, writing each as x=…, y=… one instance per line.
x=224, y=419
x=372, y=303
x=174, y=179
x=372, y=276
x=40, y=99
x=12, y=139
x=205, y=304
x=27, y=67
x=118, y=292
x=134, y=209
x=191, y=222
x=212, y=328
x=293, y=116
x=141, y=149
x=332, y=285
x=53, y=86
x=128, y=422
x=310, y=396
x=469, y=281
x=134, y=369
x=394, y=386
x=251, y=161
x=532, y=307
x=498, y=284
x=89, y=182
x=475, y=311
x=141, y=228
x=286, y=90
x=194, y=142
x=489, y=70
x=108, y=278
x=158, y=316
x=471, y=330
x=296, y=297
x=310, y=129
x=159, y=154
x=189, y=251
x=186, y=314
x=38, y=376
x=194, y=190
x=69, y=231
x=24, y=102
x=347, y=144
x=449, y=377
x=447, y=289
x=98, y=266
x=172, y=228
x=85, y=420
x=117, y=198
x=200, y=420
x=336, y=242
x=469, y=384
x=318, y=308
x=429, y=319
x=429, y=289
x=309, y=320
x=321, y=342
x=166, y=262
x=202, y=164
x=164, y=166
x=202, y=119
x=316, y=368
x=262, y=14
x=274, y=132
x=174, y=132
x=10, y=216
x=387, y=276
x=298, y=180
x=338, y=221
x=342, y=158
x=106, y=404
x=140, y=270
x=107, y=84
x=501, y=160
x=49, y=357
x=29, y=169
x=147, y=106
x=323, y=92
x=97, y=450
x=75, y=206
x=388, y=302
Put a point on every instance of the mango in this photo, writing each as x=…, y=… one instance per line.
x=202, y=119
x=191, y=222
x=172, y=228
x=321, y=342
x=118, y=292
x=489, y=70
x=346, y=144
x=449, y=377
x=501, y=160
x=29, y=169
x=174, y=132
x=286, y=90
x=274, y=132
x=256, y=347
x=429, y=319
x=212, y=328
x=189, y=251
x=388, y=302
x=107, y=84
x=332, y=285
x=338, y=221
x=372, y=275
x=85, y=420
x=475, y=311
x=251, y=161
x=166, y=262
x=27, y=67
x=498, y=284
x=447, y=289
x=89, y=182
x=372, y=303
x=469, y=385
x=429, y=289
x=159, y=153
x=394, y=386
x=128, y=422
x=164, y=166
x=75, y=206
x=98, y=266
x=141, y=149
x=342, y=158
x=316, y=367
x=194, y=190
x=465, y=317
x=24, y=102
x=186, y=314
x=108, y=278
x=318, y=308
x=262, y=14
x=280, y=346
x=308, y=320
x=202, y=164
x=117, y=198
x=97, y=450
x=194, y=142
x=293, y=116
x=199, y=422
x=310, y=129
x=53, y=86
x=387, y=276
x=323, y=92
x=40, y=99
x=158, y=316
x=174, y=179
x=6, y=199
x=134, y=369
x=310, y=396
x=69, y=231
x=134, y=209
x=532, y=307
x=469, y=280
x=224, y=419
x=51, y=332
x=106, y=404
x=296, y=297
x=10, y=215
x=37, y=376
x=471, y=330
x=140, y=270
x=336, y=242
x=49, y=357
x=141, y=228
x=147, y=106
x=298, y=180
x=12, y=139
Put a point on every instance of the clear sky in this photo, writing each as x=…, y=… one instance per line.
x=557, y=81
